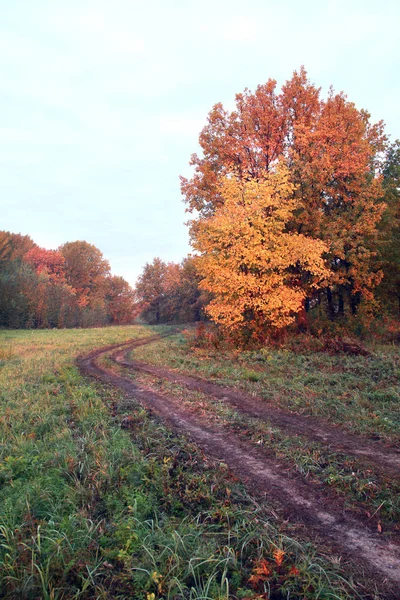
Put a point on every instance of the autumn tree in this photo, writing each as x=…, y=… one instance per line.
x=86, y=271
x=5, y=248
x=183, y=300
x=150, y=290
x=54, y=298
x=252, y=265
x=335, y=162
x=189, y=299
x=18, y=282
x=332, y=152
x=18, y=294
x=169, y=292
x=31, y=299
x=48, y=262
x=13, y=246
x=68, y=287
x=120, y=301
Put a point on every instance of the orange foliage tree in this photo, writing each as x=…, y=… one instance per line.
x=49, y=262
x=333, y=154
x=86, y=271
x=120, y=300
x=258, y=272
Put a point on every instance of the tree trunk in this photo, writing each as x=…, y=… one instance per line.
x=341, y=303
x=355, y=300
x=302, y=321
x=331, y=307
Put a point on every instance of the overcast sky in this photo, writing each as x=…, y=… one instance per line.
x=101, y=103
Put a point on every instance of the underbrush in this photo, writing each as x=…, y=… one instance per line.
x=357, y=335
x=98, y=500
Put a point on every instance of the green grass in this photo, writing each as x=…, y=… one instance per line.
x=98, y=500
x=359, y=393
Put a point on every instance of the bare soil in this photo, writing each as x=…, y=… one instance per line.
x=373, y=556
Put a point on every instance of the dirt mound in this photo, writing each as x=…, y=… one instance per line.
x=345, y=346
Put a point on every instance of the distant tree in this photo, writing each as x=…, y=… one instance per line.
x=150, y=290
x=5, y=249
x=86, y=271
x=171, y=300
x=18, y=295
x=190, y=298
x=120, y=301
x=169, y=292
x=54, y=299
x=14, y=246
x=18, y=281
x=48, y=262
x=68, y=287
x=389, y=242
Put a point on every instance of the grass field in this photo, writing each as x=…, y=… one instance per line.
x=99, y=500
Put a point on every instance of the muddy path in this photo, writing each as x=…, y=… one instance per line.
x=372, y=555
x=368, y=451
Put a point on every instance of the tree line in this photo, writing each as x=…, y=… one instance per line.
x=170, y=292
x=68, y=287
x=296, y=210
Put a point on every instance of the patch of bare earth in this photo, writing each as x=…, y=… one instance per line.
x=377, y=558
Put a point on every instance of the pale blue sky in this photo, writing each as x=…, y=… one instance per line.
x=102, y=102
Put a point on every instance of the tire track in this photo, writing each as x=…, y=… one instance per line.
x=371, y=554
x=369, y=452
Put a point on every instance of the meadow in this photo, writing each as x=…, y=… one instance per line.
x=99, y=499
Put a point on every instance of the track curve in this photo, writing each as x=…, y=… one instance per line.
x=263, y=475
x=368, y=451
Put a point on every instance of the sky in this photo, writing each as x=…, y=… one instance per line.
x=102, y=103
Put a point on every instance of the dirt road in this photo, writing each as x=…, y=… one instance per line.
x=345, y=533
